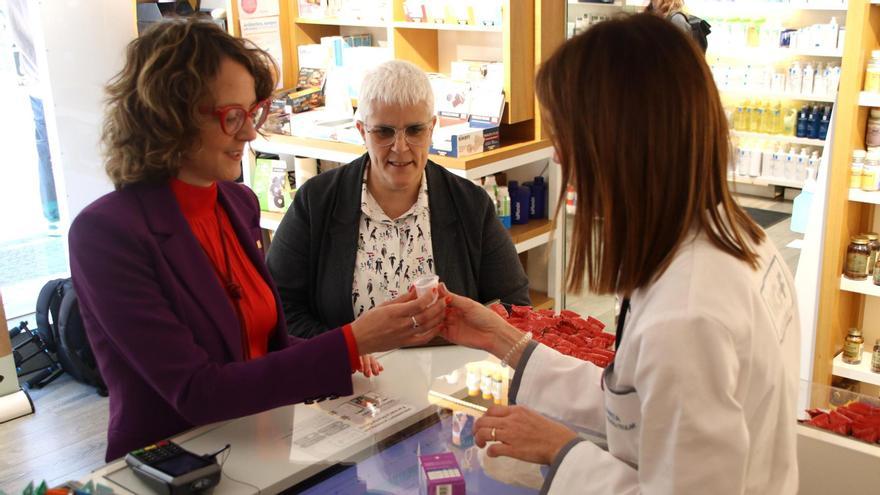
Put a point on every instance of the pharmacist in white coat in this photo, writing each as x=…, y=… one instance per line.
x=701, y=397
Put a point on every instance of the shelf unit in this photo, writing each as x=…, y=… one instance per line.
x=510, y=155
x=424, y=45
x=525, y=237
x=865, y=287
x=778, y=137
x=530, y=31
x=860, y=372
x=859, y=196
x=869, y=99
x=845, y=303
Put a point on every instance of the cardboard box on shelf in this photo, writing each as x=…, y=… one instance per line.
x=469, y=109
x=271, y=185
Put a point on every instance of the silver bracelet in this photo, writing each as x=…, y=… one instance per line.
x=522, y=341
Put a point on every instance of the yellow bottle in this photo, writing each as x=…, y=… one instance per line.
x=766, y=118
x=755, y=121
x=777, y=118
x=746, y=119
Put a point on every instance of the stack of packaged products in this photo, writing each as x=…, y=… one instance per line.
x=355, y=10
x=767, y=159
x=810, y=78
x=516, y=204
x=729, y=33
x=770, y=117
x=461, y=12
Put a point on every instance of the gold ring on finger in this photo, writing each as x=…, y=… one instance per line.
x=493, y=435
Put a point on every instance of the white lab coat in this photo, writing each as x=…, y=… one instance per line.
x=702, y=395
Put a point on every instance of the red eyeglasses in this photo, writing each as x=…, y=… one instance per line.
x=232, y=117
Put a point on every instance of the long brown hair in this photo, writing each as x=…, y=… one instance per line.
x=152, y=115
x=640, y=133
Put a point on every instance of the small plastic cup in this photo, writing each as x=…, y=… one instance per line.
x=425, y=283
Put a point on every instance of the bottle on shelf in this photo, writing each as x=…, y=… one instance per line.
x=767, y=118
x=813, y=166
x=802, y=119
x=875, y=356
x=789, y=122
x=755, y=121
x=852, y=347
x=872, y=133
x=777, y=125
x=872, y=73
x=824, y=122
x=538, y=205
x=755, y=159
x=808, y=79
x=504, y=206
x=795, y=78
x=871, y=172
x=855, y=169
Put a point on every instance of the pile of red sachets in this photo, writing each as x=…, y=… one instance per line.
x=855, y=419
x=566, y=332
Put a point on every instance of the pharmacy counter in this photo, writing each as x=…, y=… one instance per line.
x=367, y=442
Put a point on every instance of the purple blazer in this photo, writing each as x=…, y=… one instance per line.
x=166, y=336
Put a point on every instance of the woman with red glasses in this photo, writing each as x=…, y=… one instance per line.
x=183, y=317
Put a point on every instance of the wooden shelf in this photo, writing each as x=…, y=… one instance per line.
x=446, y=27
x=524, y=237
x=869, y=99
x=860, y=196
x=471, y=167
x=540, y=300
x=865, y=287
x=745, y=93
x=270, y=220
x=782, y=138
x=341, y=22
x=531, y=235
x=860, y=372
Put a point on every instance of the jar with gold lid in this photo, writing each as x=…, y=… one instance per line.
x=857, y=255
x=852, y=347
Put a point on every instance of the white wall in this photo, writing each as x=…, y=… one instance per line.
x=80, y=47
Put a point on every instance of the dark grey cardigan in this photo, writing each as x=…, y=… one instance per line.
x=312, y=255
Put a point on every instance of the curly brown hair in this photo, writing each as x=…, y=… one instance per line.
x=152, y=115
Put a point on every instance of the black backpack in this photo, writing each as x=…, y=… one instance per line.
x=700, y=29
x=65, y=333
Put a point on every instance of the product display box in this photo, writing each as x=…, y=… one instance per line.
x=272, y=185
x=439, y=474
x=469, y=106
x=847, y=413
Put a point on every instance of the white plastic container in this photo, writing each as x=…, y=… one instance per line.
x=425, y=283
x=755, y=161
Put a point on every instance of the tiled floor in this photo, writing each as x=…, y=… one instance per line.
x=602, y=307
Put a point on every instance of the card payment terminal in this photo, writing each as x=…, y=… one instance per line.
x=170, y=470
